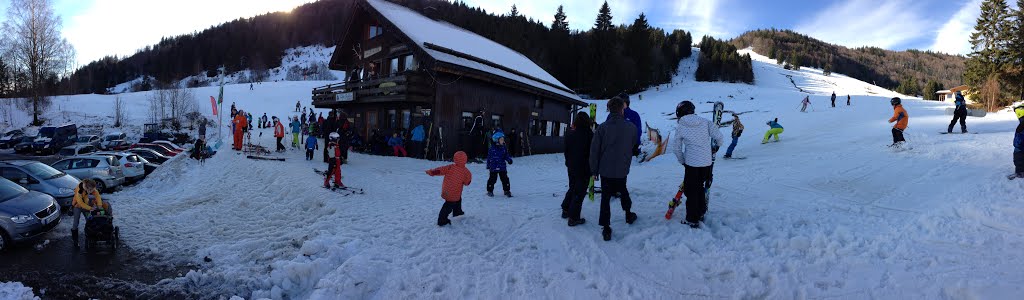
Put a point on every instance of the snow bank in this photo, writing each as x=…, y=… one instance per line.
x=16, y=291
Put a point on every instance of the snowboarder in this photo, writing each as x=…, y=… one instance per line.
x=775, y=130
x=250, y=86
x=396, y=145
x=296, y=128
x=694, y=140
x=279, y=133
x=497, y=156
x=805, y=103
x=959, y=113
x=847, y=100
x=577, y=163
x=610, y=156
x=833, y=99
x=237, y=123
x=900, y=117
x=297, y=105
x=333, y=161
x=86, y=200
x=456, y=176
x=1018, y=143
x=737, y=131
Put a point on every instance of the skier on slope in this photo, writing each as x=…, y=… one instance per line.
x=959, y=113
x=296, y=128
x=456, y=176
x=805, y=103
x=693, y=146
x=901, y=118
x=833, y=99
x=279, y=133
x=497, y=157
x=577, y=163
x=847, y=100
x=333, y=161
x=774, y=130
x=610, y=155
x=737, y=131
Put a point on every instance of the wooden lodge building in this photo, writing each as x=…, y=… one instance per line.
x=403, y=68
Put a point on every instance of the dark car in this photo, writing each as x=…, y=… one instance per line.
x=24, y=214
x=163, y=150
x=51, y=139
x=150, y=155
x=9, y=139
x=25, y=146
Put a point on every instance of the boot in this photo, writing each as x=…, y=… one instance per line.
x=606, y=233
x=630, y=217
x=490, y=194
x=443, y=222
x=580, y=221
x=508, y=194
x=694, y=225
x=74, y=237
x=565, y=214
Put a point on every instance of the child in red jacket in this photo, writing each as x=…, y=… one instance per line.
x=456, y=176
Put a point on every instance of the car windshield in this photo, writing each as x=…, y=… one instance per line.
x=40, y=170
x=9, y=190
x=28, y=139
x=66, y=152
x=47, y=132
x=111, y=137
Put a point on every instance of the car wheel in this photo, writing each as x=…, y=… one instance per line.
x=100, y=186
x=4, y=241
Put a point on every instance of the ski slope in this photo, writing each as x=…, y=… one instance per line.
x=828, y=212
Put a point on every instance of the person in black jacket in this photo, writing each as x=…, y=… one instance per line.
x=959, y=114
x=513, y=142
x=611, y=152
x=577, y=161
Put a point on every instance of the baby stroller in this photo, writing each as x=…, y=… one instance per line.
x=100, y=231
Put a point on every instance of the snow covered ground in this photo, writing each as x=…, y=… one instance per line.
x=828, y=212
x=16, y=291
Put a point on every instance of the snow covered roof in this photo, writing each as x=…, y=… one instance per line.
x=451, y=44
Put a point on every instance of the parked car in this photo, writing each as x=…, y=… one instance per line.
x=24, y=214
x=51, y=138
x=39, y=177
x=134, y=166
x=174, y=147
x=75, y=150
x=104, y=169
x=118, y=145
x=149, y=166
x=93, y=140
x=110, y=140
x=9, y=139
x=163, y=150
x=150, y=155
x=25, y=146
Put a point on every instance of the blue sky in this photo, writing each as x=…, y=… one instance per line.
x=120, y=27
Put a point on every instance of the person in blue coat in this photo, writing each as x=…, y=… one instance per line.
x=296, y=129
x=416, y=141
x=397, y=144
x=497, y=157
x=1018, y=143
x=311, y=144
x=960, y=113
x=633, y=117
x=775, y=130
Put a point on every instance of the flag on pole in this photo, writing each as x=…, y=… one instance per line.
x=220, y=98
x=213, y=102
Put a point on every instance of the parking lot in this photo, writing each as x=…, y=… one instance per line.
x=8, y=154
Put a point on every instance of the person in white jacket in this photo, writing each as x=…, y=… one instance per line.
x=695, y=145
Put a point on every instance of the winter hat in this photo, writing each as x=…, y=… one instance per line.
x=1019, y=110
x=335, y=136
x=497, y=135
x=685, y=108
x=895, y=101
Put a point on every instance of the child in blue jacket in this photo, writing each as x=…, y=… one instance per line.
x=397, y=144
x=311, y=144
x=497, y=156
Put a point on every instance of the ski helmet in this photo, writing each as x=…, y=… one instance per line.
x=335, y=136
x=1019, y=110
x=895, y=101
x=685, y=108
x=497, y=135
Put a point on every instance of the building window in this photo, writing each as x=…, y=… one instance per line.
x=557, y=131
x=534, y=127
x=467, y=120
x=406, y=118
x=538, y=103
x=394, y=66
x=411, y=64
x=497, y=122
x=375, y=31
x=549, y=128
x=392, y=119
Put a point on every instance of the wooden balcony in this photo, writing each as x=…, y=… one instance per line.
x=394, y=88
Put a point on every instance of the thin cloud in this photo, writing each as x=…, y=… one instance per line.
x=121, y=27
x=954, y=36
x=878, y=23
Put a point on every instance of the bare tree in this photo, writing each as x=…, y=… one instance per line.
x=33, y=44
x=172, y=105
x=118, y=112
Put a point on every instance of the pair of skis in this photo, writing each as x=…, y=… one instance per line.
x=344, y=190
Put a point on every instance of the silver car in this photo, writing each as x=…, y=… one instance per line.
x=24, y=214
x=104, y=169
x=134, y=166
x=39, y=177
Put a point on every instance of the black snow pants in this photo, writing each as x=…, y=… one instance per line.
x=493, y=178
x=449, y=208
x=696, y=182
x=1018, y=162
x=610, y=187
x=573, y=202
x=897, y=135
x=962, y=117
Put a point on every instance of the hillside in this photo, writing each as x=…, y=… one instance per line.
x=828, y=212
x=884, y=68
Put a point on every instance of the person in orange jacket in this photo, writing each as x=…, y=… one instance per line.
x=901, y=118
x=86, y=200
x=456, y=176
x=239, y=124
x=279, y=134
